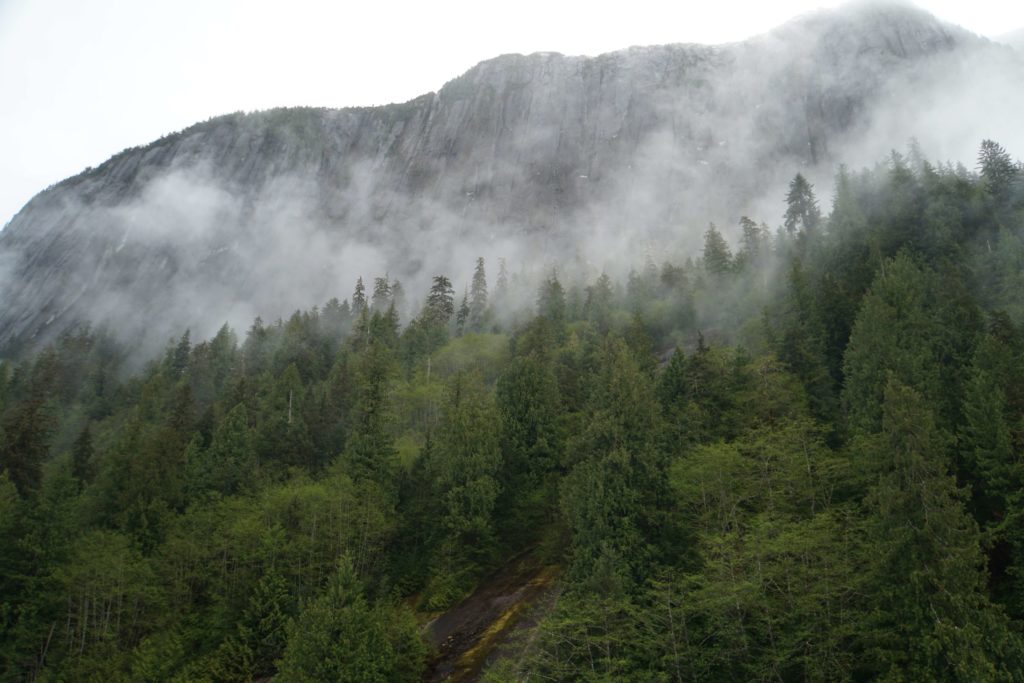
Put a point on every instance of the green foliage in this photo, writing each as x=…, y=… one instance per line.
x=717, y=255
x=551, y=301
x=339, y=636
x=230, y=463
x=261, y=636
x=463, y=469
x=840, y=498
x=930, y=612
x=440, y=302
x=698, y=395
x=478, y=298
x=773, y=594
x=802, y=344
x=27, y=428
x=997, y=169
x=528, y=405
x=483, y=353
x=598, y=306
x=369, y=452
x=802, y=214
x=615, y=492
x=111, y=598
x=907, y=329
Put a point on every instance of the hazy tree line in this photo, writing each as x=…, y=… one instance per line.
x=822, y=482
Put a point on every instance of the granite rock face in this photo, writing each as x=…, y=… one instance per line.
x=539, y=157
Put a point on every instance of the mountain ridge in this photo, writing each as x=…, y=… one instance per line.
x=523, y=156
x=881, y=9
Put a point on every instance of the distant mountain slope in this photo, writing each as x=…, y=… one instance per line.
x=541, y=158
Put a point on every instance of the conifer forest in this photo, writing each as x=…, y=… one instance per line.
x=796, y=455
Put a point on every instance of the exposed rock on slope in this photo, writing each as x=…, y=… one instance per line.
x=522, y=155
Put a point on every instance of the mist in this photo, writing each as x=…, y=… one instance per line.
x=566, y=165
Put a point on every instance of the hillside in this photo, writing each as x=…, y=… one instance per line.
x=541, y=159
x=797, y=456
x=677, y=363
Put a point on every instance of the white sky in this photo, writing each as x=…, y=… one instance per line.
x=81, y=80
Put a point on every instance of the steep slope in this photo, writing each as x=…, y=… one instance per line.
x=537, y=158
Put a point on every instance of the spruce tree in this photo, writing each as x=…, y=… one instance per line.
x=440, y=301
x=398, y=297
x=927, y=581
x=717, y=256
x=82, y=466
x=501, y=288
x=381, y=294
x=802, y=213
x=997, y=169
x=478, y=298
x=463, y=315
x=359, y=297
x=339, y=636
x=551, y=302
x=598, y=305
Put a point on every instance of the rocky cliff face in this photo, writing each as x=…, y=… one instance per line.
x=538, y=158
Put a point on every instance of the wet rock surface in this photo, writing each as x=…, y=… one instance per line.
x=469, y=636
x=260, y=214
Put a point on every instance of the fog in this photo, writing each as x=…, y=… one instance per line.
x=556, y=164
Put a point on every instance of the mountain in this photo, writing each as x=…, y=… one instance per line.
x=543, y=159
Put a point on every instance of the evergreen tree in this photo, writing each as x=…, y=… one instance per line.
x=398, y=297
x=551, y=302
x=231, y=462
x=991, y=466
x=338, y=636
x=27, y=429
x=717, y=256
x=383, y=327
x=381, y=294
x=501, y=289
x=440, y=301
x=598, y=306
x=255, y=350
x=801, y=344
x=337, y=317
x=361, y=330
x=718, y=517
x=902, y=329
x=464, y=470
x=987, y=447
x=177, y=357
x=262, y=632
x=997, y=169
x=930, y=613
x=615, y=495
x=528, y=404
x=369, y=451
x=638, y=294
x=463, y=315
x=359, y=297
x=802, y=213
x=699, y=395
x=478, y=298
x=754, y=241
x=82, y=466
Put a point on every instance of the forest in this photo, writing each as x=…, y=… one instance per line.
x=796, y=457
